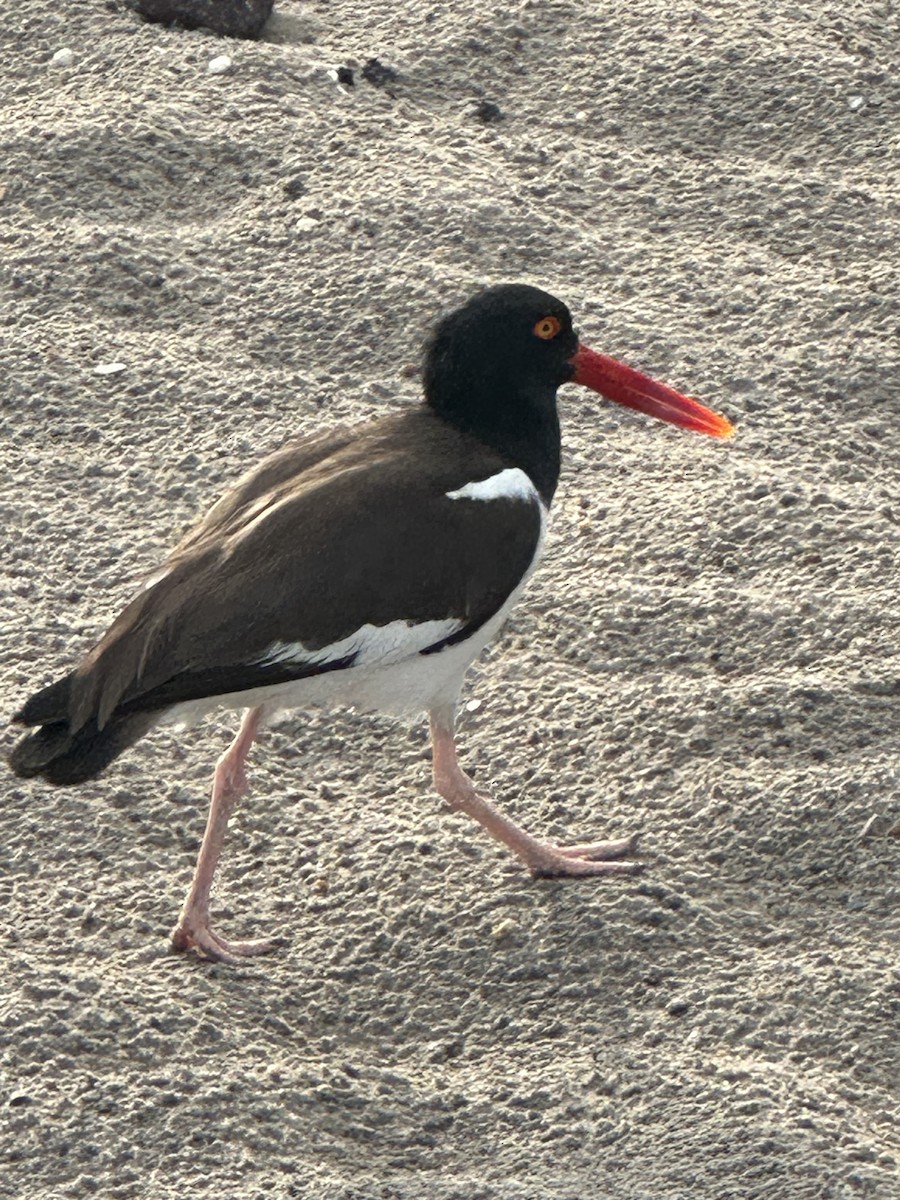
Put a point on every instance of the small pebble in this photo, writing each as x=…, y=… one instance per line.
x=219, y=65
x=294, y=187
x=113, y=368
x=677, y=1008
x=487, y=111
x=378, y=74
x=62, y=58
x=856, y=102
x=473, y=705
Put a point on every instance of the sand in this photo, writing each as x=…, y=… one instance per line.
x=710, y=651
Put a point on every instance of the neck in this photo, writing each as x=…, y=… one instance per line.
x=523, y=430
x=523, y=435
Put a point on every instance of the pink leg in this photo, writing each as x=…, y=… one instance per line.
x=229, y=784
x=541, y=858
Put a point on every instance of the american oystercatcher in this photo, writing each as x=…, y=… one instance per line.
x=364, y=566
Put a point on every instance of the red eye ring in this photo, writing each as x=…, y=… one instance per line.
x=546, y=328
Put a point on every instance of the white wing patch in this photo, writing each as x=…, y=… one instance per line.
x=373, y=645
x=511, y=484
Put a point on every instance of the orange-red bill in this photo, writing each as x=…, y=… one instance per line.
x=632, y=388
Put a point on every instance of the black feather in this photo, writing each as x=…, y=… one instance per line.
x=49, y=704
x=223, y=681
x=62, y=758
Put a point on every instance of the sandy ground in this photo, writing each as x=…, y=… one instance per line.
x=710, y=652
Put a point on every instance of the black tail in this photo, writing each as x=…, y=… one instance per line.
x=62, y=757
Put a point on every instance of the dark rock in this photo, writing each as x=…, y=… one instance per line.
x=345, y=76
x=294, y=187
x=378, y=74
x=677, y=1008
x=231, y=18
x=488, y=111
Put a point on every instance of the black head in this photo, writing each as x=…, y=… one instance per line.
x=509, y=341
x=492, y=368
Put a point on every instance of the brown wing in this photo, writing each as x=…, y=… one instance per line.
x=255, y=489
x=366, y=535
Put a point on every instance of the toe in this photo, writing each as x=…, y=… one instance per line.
x=200, y=937
x=558, y=865
x=603, y=850
x=245, y=949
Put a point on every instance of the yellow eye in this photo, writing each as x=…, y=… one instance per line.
x=546, y=328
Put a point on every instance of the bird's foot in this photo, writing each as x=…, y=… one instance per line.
x=193, y=933
x=598, y=858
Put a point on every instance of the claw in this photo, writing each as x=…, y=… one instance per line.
x=550, y=862
x=197, y=935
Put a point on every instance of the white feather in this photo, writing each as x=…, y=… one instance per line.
x=371, y=644
x=511, y=484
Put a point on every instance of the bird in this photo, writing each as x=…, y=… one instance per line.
x=365, y=566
